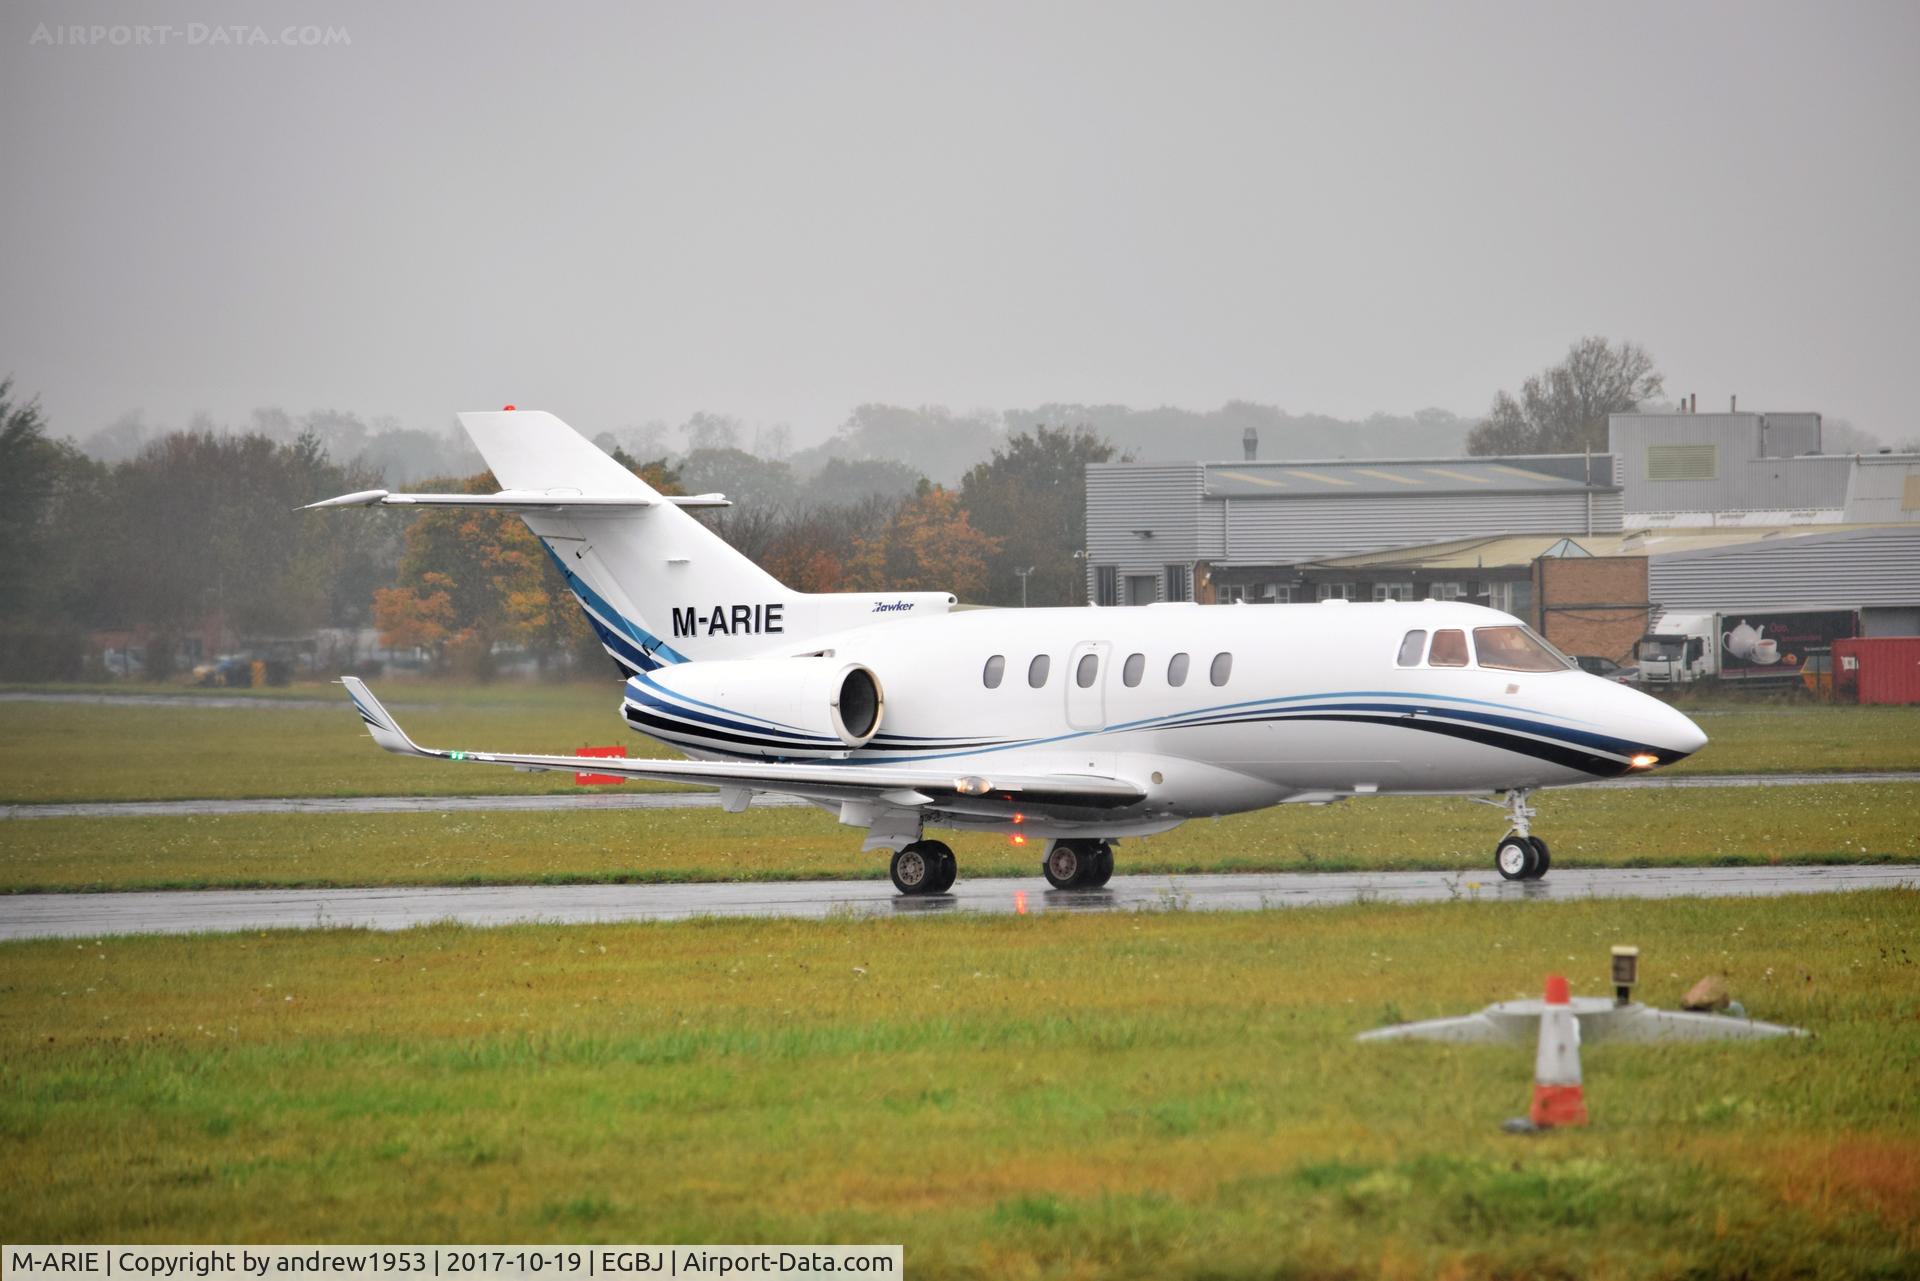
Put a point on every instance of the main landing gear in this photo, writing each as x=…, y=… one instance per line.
x=924, y=867
x=1520, y=855
x=1078, y=865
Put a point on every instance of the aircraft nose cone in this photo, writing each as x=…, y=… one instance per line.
x=1682, y=734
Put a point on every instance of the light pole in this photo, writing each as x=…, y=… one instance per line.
x=1023, y=584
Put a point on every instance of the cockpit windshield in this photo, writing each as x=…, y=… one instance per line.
x=1517, y=649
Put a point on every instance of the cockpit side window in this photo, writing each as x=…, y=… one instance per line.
x=1515, y=649
x=1449, y=649
x=1412, y=646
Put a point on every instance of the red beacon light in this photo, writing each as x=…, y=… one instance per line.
x=506, y=409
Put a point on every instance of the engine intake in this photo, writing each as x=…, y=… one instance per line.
x=773, y=708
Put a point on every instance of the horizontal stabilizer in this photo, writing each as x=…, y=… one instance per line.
x=520, y=500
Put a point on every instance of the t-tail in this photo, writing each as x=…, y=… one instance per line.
x=657, y=586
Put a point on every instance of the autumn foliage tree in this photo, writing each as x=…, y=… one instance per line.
x=927, y=545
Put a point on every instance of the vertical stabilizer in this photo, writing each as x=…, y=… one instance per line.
x=657, y=585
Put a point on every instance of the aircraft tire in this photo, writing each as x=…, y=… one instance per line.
x=1066, y=865
x=949, y=867
x=916, y=869
x=1543, y=858
x=1514, y=858
x=1102, y=870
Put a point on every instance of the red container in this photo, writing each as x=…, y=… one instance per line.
x=601, y=780
x=1885, y=669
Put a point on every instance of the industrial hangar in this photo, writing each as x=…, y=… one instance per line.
x=1685, y=512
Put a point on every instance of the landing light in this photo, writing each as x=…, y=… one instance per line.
x=971, y=785
x=1019, y=839
x=1644, y=761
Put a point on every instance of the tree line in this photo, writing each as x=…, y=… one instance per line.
x=197, y=525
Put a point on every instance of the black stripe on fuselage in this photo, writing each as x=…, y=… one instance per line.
x=1554, y=753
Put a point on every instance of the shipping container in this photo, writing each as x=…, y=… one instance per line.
x=1883, y=669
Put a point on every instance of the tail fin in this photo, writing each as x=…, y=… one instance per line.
x=657, y=586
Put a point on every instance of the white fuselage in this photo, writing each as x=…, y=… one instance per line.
x=1316, y=706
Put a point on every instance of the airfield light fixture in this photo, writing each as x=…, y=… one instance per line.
x=1626, y=973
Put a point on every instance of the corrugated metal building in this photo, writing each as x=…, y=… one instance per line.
x=1229, y=531
x=1872, y=569
x=1875, y=571
x=1758, y=469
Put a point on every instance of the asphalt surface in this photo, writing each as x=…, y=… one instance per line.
x=706, y=800
x=26, y=916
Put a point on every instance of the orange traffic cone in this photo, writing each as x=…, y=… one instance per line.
x=1557, y=1099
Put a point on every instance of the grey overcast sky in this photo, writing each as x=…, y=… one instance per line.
x=623, y=212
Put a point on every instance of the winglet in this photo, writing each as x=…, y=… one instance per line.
x=380, y=723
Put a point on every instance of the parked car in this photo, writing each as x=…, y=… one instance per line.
x=1606, y=667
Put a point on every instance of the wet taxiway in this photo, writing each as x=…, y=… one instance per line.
x=24, y=916
x=708, y=799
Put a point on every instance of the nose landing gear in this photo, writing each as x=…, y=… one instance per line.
x=1078, y=865
x=1520, y=855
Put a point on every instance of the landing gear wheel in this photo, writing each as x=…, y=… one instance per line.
x=917, y=868
x=1543, y=859
x=1067, y=864
x=1102, y=869
x=948, y=868
x=1515, y=859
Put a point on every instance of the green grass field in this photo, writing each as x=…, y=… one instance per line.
x=1847, y=823
x=1161, y=1094
x=93, y=752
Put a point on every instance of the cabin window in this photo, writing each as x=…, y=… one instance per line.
x=1515, y=649
x=996, y=669
x=1037, y=670
x=1449, y=649
x=1222, y=669
x=1177, y=670
x=1086, y=670
x=1133, y=669
x=1410, y=647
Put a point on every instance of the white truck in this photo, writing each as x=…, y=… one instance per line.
x=1748, y=645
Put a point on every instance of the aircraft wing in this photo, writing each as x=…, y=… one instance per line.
x=908, y=787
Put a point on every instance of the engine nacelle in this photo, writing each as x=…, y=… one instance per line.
x=776, y=708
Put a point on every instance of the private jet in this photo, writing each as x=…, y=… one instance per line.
x=1075, y=728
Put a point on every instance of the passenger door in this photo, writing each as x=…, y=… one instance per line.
x=1087, y=701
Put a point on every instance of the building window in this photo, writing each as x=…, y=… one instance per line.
x=1683, y=462
x=1333, y=591
x=1393, y=591
x=996, y=668
x=1251, y=593
x=1176, y=580
x=1410, y=648
x=1222, y=669
x=1142, y=589
x=1106, y=585
x=1086, y=670
x=1133, y=669
x=1037, y=670
x=1447, y=591
x=1177, y=670
x=1449, y=649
